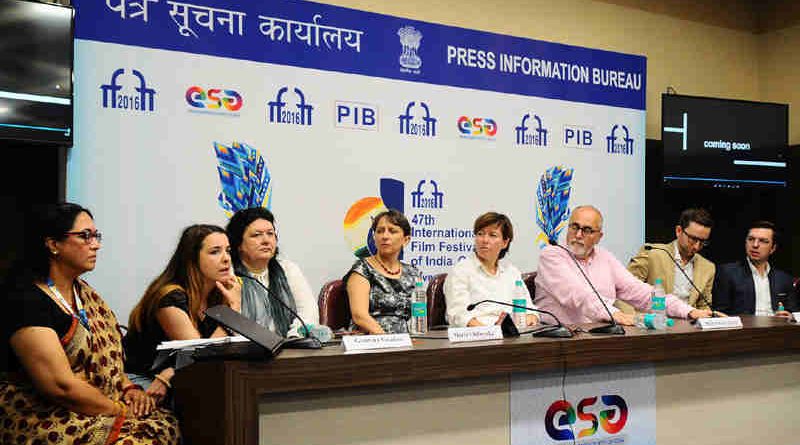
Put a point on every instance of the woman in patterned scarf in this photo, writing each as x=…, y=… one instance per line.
x=254, y=250
x=63, y=378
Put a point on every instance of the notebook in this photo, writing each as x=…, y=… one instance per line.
x=264, y=344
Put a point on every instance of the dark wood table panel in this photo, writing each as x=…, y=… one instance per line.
x=217, y=402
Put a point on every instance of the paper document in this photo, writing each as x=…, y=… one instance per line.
x=197, y=342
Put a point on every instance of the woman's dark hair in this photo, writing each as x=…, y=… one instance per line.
x=182, y=274
x=239, y=223
x=394, y=217
x=278, y=283
x=492, y=218
x=50, y=221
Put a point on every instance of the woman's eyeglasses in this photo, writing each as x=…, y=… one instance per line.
x=87, y=236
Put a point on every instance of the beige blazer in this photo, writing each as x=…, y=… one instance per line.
x=648, y=265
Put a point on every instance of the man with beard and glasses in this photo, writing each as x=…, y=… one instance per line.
x=562, y=290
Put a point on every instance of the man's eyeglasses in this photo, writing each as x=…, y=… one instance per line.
x=585, y=230
x=87, y=236
x=696, y=240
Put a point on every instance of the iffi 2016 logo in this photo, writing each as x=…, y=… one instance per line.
x=296, y=113
x=477, y=127
x=537, y=136
x=410, y=39
x=560, y=417
x=213, y=99
x=116, y=96
x=620, y=141
x=417, y=121
x=422, y=200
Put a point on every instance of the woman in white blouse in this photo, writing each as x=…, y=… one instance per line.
x=485, y=275
x=254, y=251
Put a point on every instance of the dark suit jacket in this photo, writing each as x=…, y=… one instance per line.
x=735, y=293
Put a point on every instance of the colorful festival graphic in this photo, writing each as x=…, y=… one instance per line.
x=552, y=197
x=358, y=219
x=244, y=178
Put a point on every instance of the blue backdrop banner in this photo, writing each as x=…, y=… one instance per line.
x=331, y=38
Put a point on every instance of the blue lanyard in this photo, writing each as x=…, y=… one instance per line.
x=81, y=315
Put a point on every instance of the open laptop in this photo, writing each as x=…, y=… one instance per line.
x=263, y=344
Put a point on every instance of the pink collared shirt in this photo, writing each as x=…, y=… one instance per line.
x=562, y=290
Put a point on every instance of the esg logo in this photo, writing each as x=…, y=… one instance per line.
x=609, y=421
x=213, y=98
x=477, y=126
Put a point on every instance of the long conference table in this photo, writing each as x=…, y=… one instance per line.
x=221, y=402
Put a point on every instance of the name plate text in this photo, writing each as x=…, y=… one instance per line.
x=368, y=342
x=720, y=323
x=477, y=333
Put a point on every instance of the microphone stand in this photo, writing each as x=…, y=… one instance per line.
x=557, y=331
x=308, y=341
x=700, y=294
x=614, y=327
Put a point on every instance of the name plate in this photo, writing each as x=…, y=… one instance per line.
x=477, y=333
x=369, y=342
x=719, y=323
x=796, y=316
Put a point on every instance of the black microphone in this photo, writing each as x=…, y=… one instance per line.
x=309, y=342
x=669, y=254
x=612, y=328
x=557, y=331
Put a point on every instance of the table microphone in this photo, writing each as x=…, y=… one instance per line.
x=614, y=327
x=309, y=341
x=669, y=254
x=557, y=331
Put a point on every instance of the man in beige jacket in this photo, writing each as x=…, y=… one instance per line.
x=691, y=235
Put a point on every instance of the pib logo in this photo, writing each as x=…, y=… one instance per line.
x=561, y=416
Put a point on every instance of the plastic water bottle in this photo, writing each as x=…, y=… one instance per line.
x=319, y=331
x=520, y=299
x=650, y=320
x=657, y=317
x=419, y=309
x=658, y=301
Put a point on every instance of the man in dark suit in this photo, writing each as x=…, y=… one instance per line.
x=752, y=286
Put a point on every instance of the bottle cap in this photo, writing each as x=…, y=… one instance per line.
x=670, y=322
x=659, y=281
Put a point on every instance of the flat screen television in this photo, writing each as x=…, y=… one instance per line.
x=36, y=63
x=724, y=143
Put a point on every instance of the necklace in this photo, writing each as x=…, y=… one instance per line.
x=386, y=269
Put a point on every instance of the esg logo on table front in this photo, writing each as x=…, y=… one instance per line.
x=560, y=417
x=117, y=94
x=214, y=99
